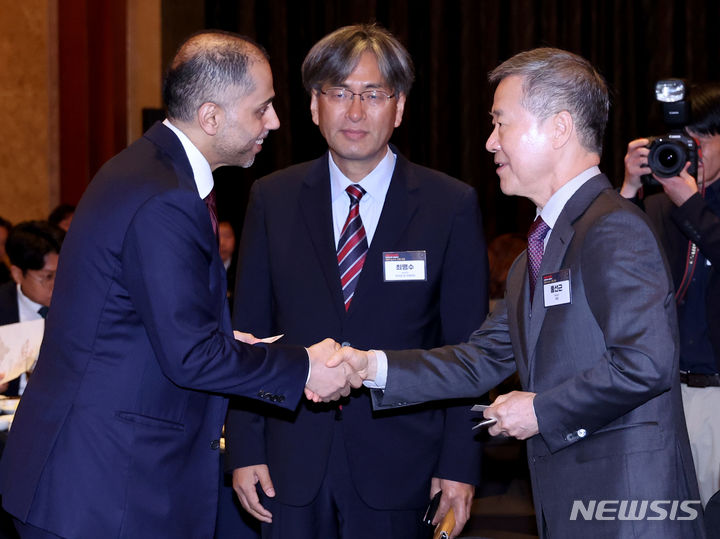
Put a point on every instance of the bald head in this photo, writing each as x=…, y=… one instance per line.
x=205, y=67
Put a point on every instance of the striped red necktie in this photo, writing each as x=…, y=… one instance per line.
x=352, y=246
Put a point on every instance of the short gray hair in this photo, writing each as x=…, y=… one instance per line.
x=334, y=57
x=555, y=80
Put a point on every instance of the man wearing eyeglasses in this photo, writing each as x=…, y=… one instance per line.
x=367, y=248
x=33, y=248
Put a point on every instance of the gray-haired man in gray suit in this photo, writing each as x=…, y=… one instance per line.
x=592, y=334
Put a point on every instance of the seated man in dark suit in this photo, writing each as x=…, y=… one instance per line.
x=33, y=248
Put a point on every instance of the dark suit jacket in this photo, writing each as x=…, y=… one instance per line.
x=9, y=315
x=604, y=367
x=5, y=276
x=117, y=432
x=288, y=282
x=694, y=221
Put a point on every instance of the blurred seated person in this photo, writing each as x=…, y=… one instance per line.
x=502, y=252
x=33, y=248
x=226, y=239
x=5, y=227
x=61, y=216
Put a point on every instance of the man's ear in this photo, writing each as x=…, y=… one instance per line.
x=209, y=116
x=399, y=109
x=314, y=106
x=17, y=274
x=563, y=127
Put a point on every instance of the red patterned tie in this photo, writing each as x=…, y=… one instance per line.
x=352, y=246
x=536, y=236
x=212, y=208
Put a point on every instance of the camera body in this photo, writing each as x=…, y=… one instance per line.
x=669, y=153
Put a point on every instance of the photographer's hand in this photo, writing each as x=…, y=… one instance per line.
x=636, y=165
x=680, y=188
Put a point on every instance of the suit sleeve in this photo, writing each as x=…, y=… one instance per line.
x=252, y=312
x=463, y=307
x=464, y=370
x=166, y=267
x=628, y=290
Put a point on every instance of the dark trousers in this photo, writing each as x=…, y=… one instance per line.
x=338, y=512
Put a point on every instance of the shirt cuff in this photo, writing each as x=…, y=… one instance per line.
x=309, y=366
x=380, y=373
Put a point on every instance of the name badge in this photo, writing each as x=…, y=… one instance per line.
x=404, y=266
x=556, y=288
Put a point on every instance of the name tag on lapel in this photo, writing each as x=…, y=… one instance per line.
x=556, y=288
x=404, y=266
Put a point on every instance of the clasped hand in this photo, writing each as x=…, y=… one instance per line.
x=356, y=365
x=329, y=382
x=330, y=377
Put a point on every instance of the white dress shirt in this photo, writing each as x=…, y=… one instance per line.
x=200, y=166
x=376, y=186
x=555, y=205
x=27, y=311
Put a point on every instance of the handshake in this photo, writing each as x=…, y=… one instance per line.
x=334, y=369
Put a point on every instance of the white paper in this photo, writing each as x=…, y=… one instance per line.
x=251, y=339
x=19, y=347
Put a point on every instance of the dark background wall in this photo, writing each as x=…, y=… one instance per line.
x=454, y=44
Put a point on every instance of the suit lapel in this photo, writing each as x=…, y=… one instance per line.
x=552, y=261
x=167, y=141
x=554, y=257
x=316, y=209
x=400, y=204
x=518, y=308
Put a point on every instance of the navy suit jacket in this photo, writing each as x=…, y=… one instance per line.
x=9, y=315
x=288, y=282
x=117, y=432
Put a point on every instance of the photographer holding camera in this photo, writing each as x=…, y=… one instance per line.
x=686, y=216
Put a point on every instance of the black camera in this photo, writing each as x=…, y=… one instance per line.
x=669, y=153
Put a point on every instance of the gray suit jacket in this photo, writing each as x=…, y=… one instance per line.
x=604, y=367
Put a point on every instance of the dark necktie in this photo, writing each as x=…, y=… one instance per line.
x=536, y=236
x=42, y=311
x=212, y=208
x=352, y=246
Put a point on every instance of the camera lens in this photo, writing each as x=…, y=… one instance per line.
x=667, y=157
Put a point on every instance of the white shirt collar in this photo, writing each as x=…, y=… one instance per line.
x=555, y=205
x=375, y=184
x=27, y=308
x=200, y=166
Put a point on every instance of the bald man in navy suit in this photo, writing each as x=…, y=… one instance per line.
x=118, y=432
